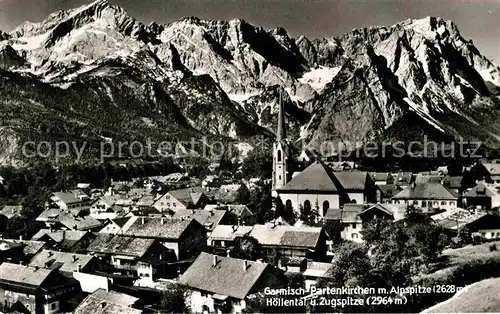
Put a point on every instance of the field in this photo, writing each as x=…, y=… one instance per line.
x=480, y=297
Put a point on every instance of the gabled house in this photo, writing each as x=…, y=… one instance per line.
x=237, y=213
x=65, y=240
x=72, y=199
x=483, y=195
x=291, y=242
x=350, y=220
x=105, y=207
x=428, y=196
x=24, y=250
x=10, y=211
x=186, y=237
x=31, y=289
x=223, y=236
x=114, y=226
x=188, y=198
x=222, y=284
x=207, y=218
x=86, y=223
x=108, y=302
x=67, y=263
x=491, y=172
x=144, y=258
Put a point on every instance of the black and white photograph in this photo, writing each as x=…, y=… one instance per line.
x=249, y=156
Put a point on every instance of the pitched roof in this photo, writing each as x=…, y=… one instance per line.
x=81, y=223
x=385, y=208
x=11, y=210
x=108, y=302
x=30, y=247
x=426, y=191
x=23, y=275
x=228, y=277
x=453, y=182
x=207, y=218
x=286, y=235
x=63, y=261
x=492, y=168
x=58, y=214
x=352, y=180
x=64, y=238
x=482, y=189
x=316, y=177
x=229, y=232
x=188, y=195
x=349, y=213
x=120, y=245
x=71, y=197
x=165, y=228
x=389, y=190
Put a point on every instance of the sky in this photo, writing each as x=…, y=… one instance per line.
x=478, y=20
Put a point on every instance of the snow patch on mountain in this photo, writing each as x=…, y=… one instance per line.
x=319, y=77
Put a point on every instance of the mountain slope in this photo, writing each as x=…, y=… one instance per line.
x=224, y=79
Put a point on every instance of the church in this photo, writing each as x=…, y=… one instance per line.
x=317, y=186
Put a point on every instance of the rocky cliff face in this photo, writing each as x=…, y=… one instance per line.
x=224, y=78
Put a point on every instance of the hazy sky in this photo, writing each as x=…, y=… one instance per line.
x=476, y=19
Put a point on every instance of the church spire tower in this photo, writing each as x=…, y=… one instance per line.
x=281, y=150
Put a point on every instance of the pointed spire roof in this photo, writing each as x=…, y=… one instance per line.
x=281, y=133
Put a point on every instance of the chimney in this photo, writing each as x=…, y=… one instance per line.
x=215, y=261
x=228, y=253
x=245, y=265
x=20, y=238
x=78, y=268
x=74, y=258
x=239, y=221
x=49, y=253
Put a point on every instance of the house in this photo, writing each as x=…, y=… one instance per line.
x=195, y=197
x=105, y=207
x=31, y=289
x=453, y=183
x=291, y=242
x=67, y=262
x=144, y=258
x=211, y=181
x=350, y=220
x=108, y=302
x=483, y=195
x=382, y=178
x=387, y=191
x=185, y=236
x=491, y=172
x=10, y=211
x=23, y=250
x=428, y=196
x=114, y=226
x=52, y=216
x=486, y=224
x=207, y=218
x=315, y=271
x=222, y=284
x=237, y=213
x=72, y=199
x=403, y=179
x=65, y=240
x=78, y=223
x=358, y=185
x=223, y=236
x=231, y=193
x=382, y=211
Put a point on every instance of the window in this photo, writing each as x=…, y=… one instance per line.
x=174, y=204
x=424, y=204
x=354, y=226
x=168, y=204
x=354, y=235
x=279, y=178
x=53, y=306
x=443, y=203
x=279, y=155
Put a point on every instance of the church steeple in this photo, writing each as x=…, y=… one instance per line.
x=281, y=133
x=281, y=151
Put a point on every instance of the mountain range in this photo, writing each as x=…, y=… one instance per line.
x=94, y=73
